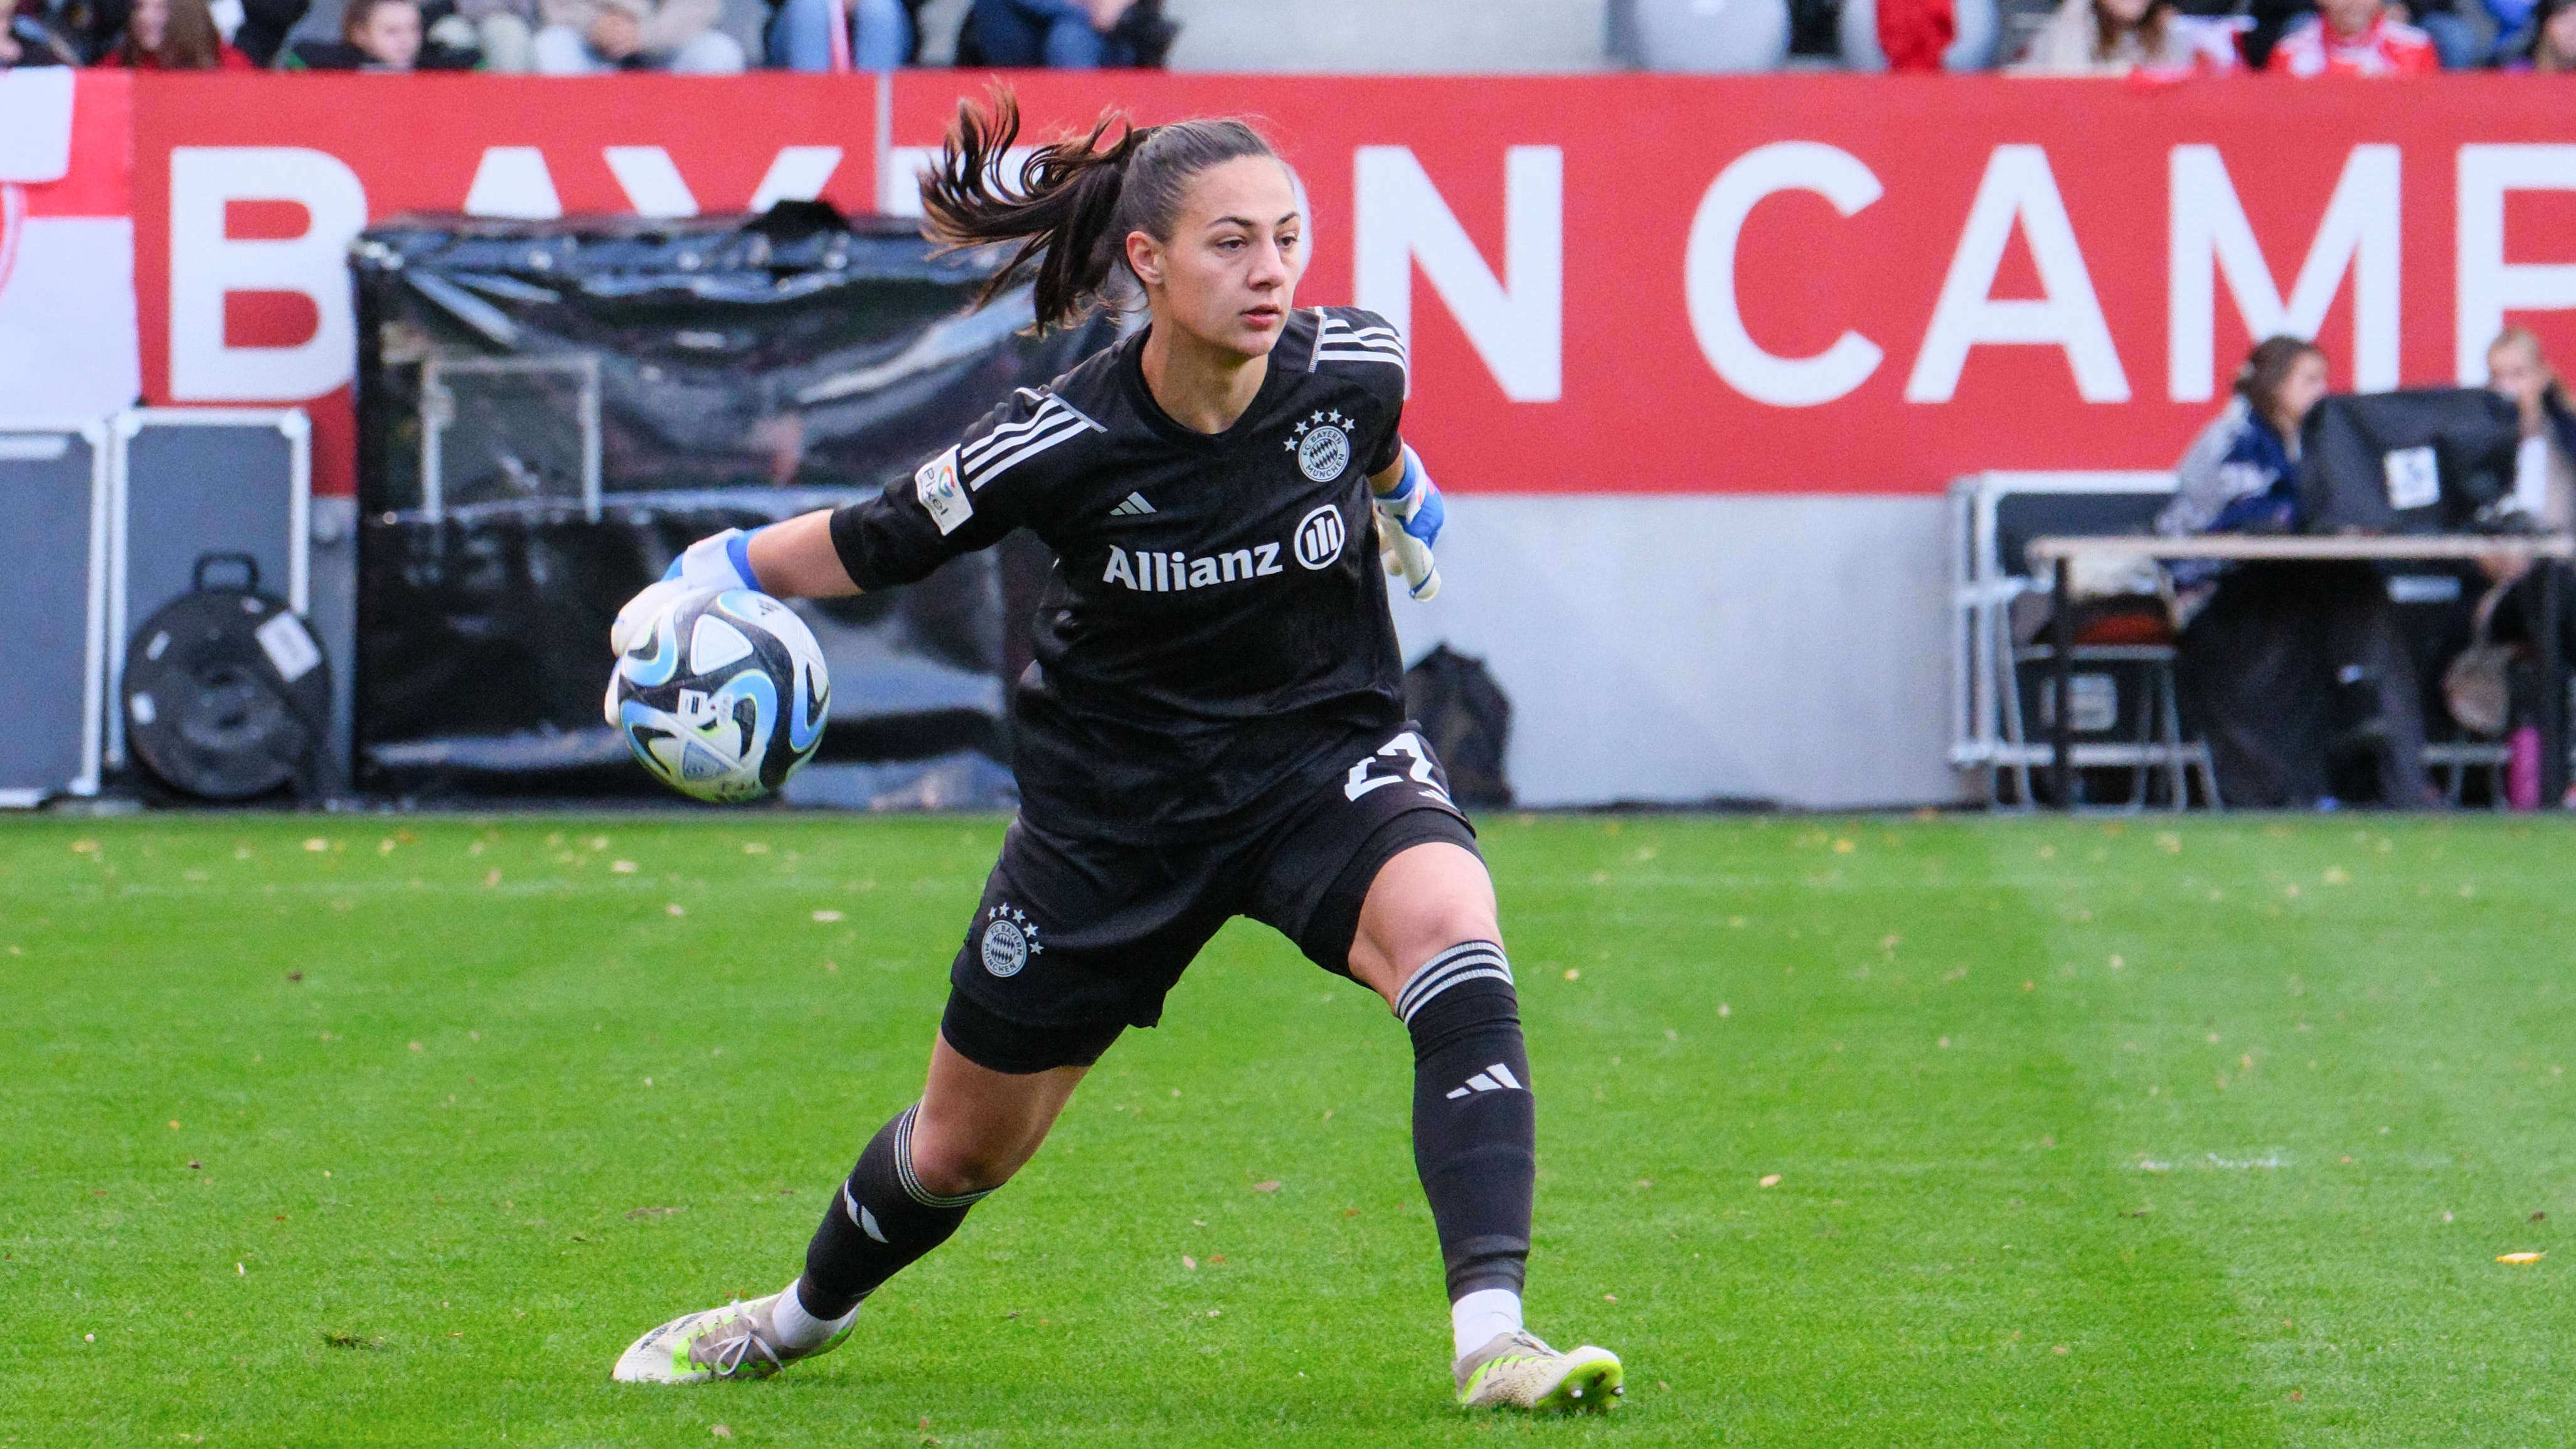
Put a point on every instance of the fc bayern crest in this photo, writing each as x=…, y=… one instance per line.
x=1010, y=938
x=1323, y=445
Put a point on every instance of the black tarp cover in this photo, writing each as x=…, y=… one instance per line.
x=746, y=370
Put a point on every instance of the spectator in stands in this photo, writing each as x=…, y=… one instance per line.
x=2288, y=670
x=255, y=28
x=2116, y=37
x=1066, y=34
x=2551, y=47
x=799, y=34
x=30, y=40
x=173, y=35
x=594, y=37
x=2353, y=37
x=501, y=32
x=2463, y=31
x=2101, y=37
x=379, y=35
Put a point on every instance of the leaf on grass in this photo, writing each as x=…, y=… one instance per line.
x=2539, y=1217
x=1771, y=1179
x=721, y=1432
x=2520, y=1258
x=351, y=1340
x=633, y=1214
x=1271, y=1186
x=1189, y=1262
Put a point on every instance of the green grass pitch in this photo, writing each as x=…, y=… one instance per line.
x=1852, y=1132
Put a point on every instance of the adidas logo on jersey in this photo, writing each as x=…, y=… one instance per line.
x=1134, y=507
x=1496, y=1078
x=1150, y=571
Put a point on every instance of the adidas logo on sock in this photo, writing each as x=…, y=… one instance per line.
x=1134, y=507
x=1496, y=1078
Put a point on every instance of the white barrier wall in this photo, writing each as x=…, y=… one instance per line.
x=1681, y=649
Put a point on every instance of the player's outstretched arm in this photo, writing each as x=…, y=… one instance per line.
x=796, y=559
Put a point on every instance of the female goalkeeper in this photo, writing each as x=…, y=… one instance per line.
x=1214, y=724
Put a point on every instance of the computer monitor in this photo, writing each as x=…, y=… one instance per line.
x=2425, y=460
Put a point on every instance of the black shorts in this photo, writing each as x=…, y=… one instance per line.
x=1076, y=940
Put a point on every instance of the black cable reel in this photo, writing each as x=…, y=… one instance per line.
x=226, y=692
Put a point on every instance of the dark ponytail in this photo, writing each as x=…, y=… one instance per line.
x=1074, y=201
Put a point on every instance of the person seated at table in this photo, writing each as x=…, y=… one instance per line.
x=2287, y=669
x=2543, y=498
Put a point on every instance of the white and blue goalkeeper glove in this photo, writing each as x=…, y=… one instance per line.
x=1408, y=521
x=722, y=561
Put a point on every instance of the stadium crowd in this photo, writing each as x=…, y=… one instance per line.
x=570, y=37
x=2141, y=39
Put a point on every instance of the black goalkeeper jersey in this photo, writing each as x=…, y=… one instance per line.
x=1215, y=637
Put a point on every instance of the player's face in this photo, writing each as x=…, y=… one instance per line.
x=151, y=24
x=1228, y=276
x=2349, y=17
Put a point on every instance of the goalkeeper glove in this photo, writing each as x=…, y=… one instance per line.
x=1408, y=520
x=719, y=562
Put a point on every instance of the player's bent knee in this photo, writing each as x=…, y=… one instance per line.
x=1425, y=901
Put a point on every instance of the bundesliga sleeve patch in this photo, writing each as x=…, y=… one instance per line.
x=936, y=486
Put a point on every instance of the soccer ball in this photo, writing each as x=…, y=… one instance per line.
x=724, y=696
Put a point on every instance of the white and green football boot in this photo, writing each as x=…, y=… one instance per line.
x=732, y=1342
x=1516, y=1371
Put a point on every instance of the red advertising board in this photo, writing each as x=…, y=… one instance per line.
x=1614, y=284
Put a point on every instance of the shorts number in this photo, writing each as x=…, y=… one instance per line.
x=1361, y=781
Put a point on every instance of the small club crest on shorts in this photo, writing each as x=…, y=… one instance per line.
x=1010, y=939
x=1322, y=446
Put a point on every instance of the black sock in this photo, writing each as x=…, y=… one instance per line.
x=1475, y=1128
x=880, y=1221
